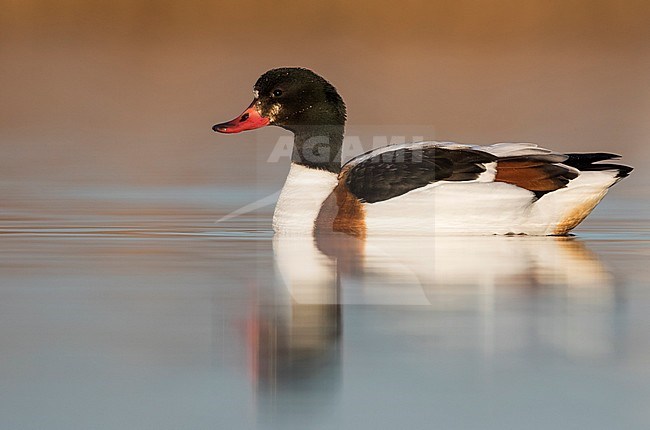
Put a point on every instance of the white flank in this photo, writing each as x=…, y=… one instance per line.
x=488, y=208
x=452, y=208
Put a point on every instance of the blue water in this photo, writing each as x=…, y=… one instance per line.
x=138, y=310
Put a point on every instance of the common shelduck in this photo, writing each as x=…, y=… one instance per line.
x=415, y=188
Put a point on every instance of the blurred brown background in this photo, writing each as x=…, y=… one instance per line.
x=124, y=92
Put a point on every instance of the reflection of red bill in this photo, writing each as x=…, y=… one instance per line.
x=250, y=119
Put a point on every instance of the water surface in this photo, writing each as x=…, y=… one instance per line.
x=133, y=308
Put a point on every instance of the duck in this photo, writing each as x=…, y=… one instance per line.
x=415, y=188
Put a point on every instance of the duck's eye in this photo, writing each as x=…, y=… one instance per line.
x=277, y=92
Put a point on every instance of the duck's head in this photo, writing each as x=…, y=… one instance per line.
x=290, y=98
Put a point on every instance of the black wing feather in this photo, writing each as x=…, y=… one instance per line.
x=393, y=173
x=589, y=162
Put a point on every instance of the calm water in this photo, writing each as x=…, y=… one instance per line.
x=138, y=310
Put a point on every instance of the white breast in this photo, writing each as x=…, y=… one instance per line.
x=301, y=199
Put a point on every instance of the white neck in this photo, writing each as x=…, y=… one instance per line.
x=301, y=198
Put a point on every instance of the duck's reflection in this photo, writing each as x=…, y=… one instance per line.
x=435, y=271
x=296, y=347
x=297, y=341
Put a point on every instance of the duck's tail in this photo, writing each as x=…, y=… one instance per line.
x=564, y=209
x=590, y=162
